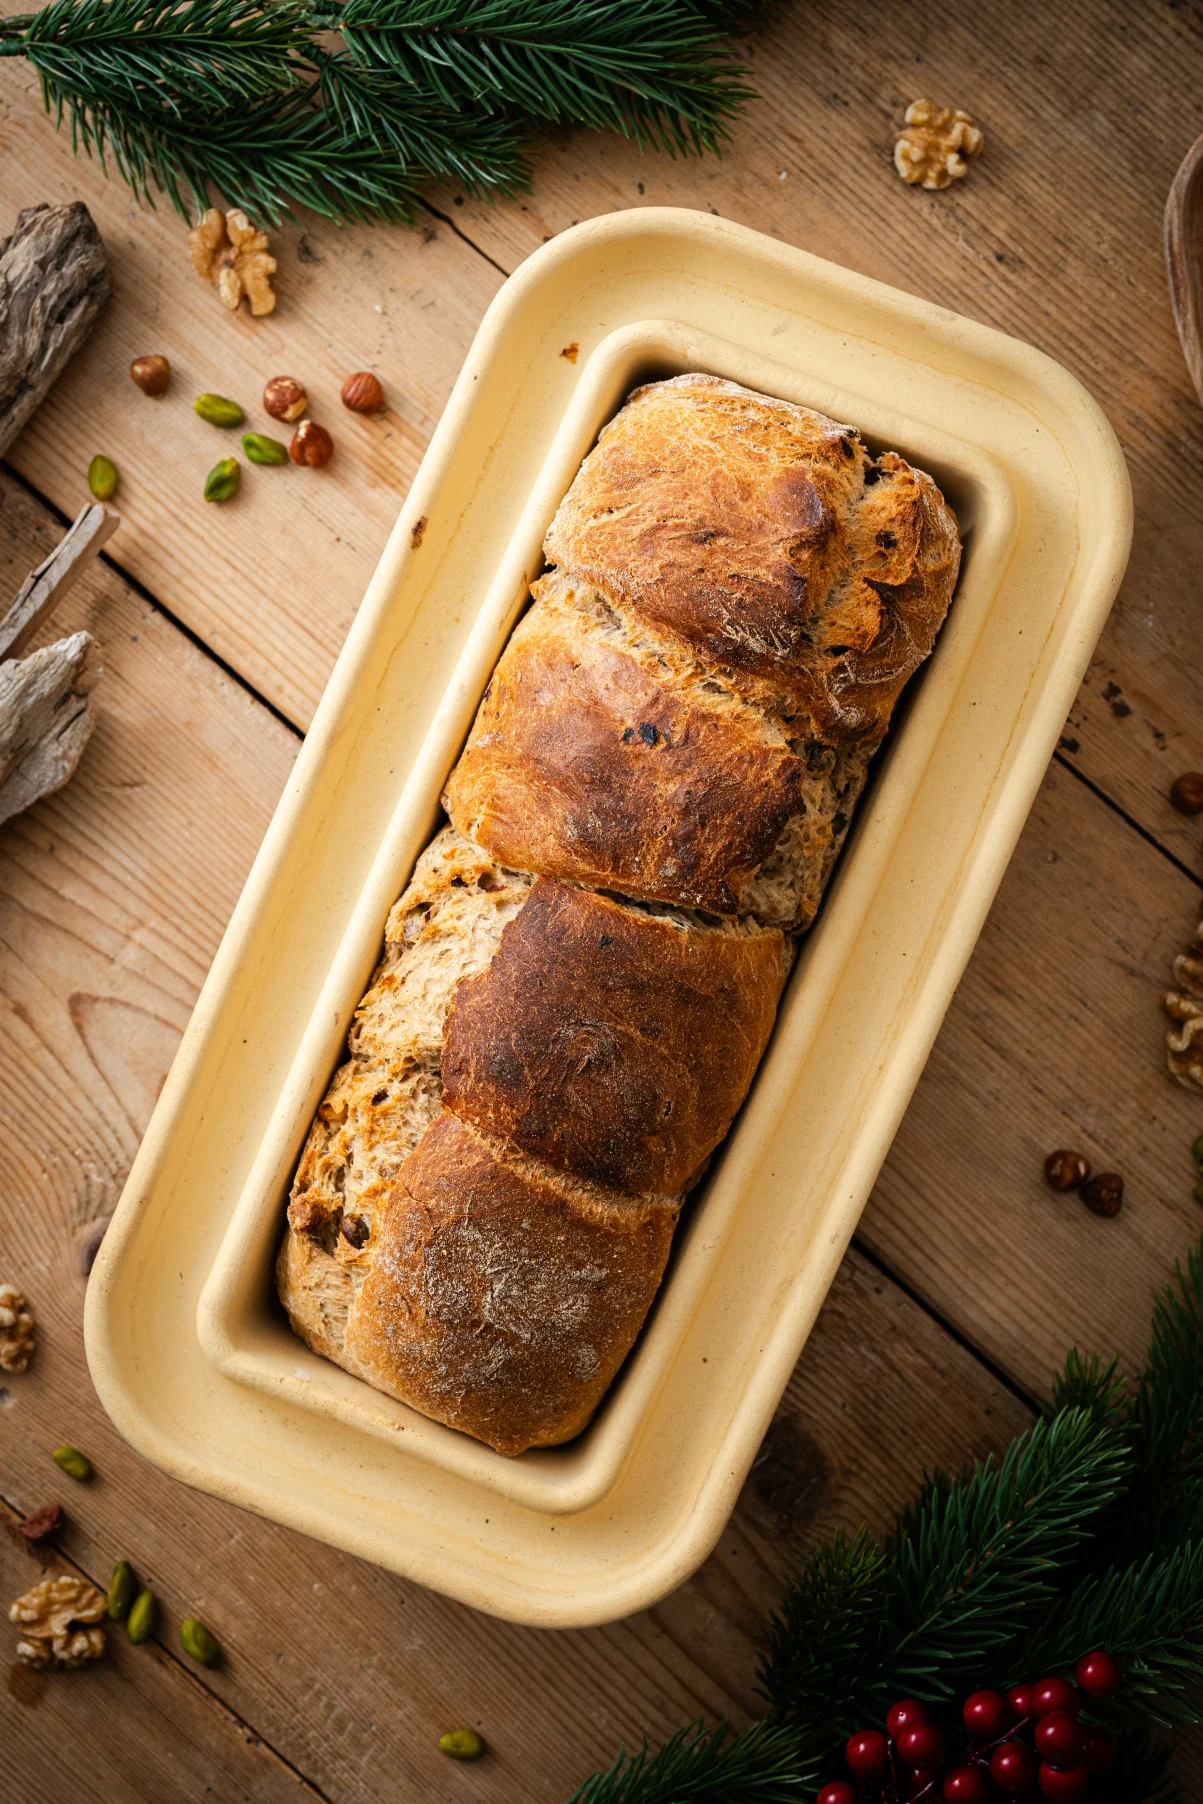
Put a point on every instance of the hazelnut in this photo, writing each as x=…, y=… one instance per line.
x=152, y=374
x=1104, y=1195
x=1066, y=1170
x=284, y=398
x=1186, y=792
x=362, y=393
x=312, y=445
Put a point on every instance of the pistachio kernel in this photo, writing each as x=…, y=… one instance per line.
x=218, y=410
x=199, y=1643
x=222, y=482
x=144, y=1614
x=263, y=450
x=74, y=1463
x=103, y=477
x=462, y=1744
x=123, y=1588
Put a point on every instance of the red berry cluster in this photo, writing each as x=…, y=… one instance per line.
x=1061, y=1760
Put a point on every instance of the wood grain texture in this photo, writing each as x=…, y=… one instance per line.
x=54, y=281
x=271, y=580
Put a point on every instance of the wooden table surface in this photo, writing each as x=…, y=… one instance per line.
x=217, y=628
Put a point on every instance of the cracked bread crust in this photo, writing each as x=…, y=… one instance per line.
x=614, y=1044
x=763, y=536
x=590, y=760
x=504, y=1296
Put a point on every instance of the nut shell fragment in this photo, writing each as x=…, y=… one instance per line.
x=58, y=1620
x=16, y=1330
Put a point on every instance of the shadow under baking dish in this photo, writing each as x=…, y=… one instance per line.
x=241, y=1327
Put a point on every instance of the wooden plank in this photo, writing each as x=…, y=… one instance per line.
x=112, y=895
x=1055, y=1038
x=1055, y=235
x=43, y=589
x=135, y=1726
x=271, y=580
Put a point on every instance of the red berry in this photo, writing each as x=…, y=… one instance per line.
x=921, y=1746
x=1101, y=1750
x=1099, y=1675
x=1063, y=1781
x=868, y=1754
x=988, y=1714
x=1054, y=1694
x=905, y=1715
x=1060, y=1737
x=839, y=1792
x=1012, y=1767
x=1020, y=1699
x=967, y=1785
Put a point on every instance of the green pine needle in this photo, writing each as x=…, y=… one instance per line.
x=481, y=151
x=764, y=1765
x=654, y=70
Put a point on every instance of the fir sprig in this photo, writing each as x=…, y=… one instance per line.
x=764, y=1765
x=259, y=106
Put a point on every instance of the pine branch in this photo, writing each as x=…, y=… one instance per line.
x=1094, y=1385
x=764, y=1765
x=265, y=159
x=1150, y=1617
x=1166, y=1503
x=971, y=1566
x=654, y=70
x=169, y=57
x=481, y=150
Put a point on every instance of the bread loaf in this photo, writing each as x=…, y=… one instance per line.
x=581, y=978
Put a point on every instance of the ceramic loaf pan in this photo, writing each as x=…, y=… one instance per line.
x=192, y=1358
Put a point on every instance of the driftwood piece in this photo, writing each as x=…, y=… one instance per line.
x=54, y=280
x=45, y=721
x=1184, y=258
x=45, y=718
x=41, y=591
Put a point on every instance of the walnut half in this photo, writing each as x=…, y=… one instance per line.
x=60, y=1622
x=16, y=1330
x=228, y=251
x=933, y=148
x=1184, y=1045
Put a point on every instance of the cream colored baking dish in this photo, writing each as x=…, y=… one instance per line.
x=190, y=1355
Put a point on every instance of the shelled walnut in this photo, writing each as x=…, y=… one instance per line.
x=937, y=140
x=16, y=1330
x=60, y=1622
x=1184, y=1045
x=229, y=251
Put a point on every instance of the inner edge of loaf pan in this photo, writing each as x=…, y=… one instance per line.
x=241, y=1327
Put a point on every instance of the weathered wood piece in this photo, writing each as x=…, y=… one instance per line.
x=45, y=721
x=1184, y=258
x=54, y=280
x=45, y=587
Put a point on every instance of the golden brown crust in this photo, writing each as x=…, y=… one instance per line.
x=584, y=764
x=615, y=1044
x=763, y=535
x=503, y=1298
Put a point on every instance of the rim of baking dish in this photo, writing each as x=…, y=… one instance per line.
x=684, y=1470
x=240, y=1327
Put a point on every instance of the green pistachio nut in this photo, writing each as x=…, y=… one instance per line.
x=74, y=1463
x=144, y=1613
x=462, y=1744
x=221, y=484
x=200, y=1643
x=218, y=410
x=123, y=1588
x=263, y=450
x=103, y=477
